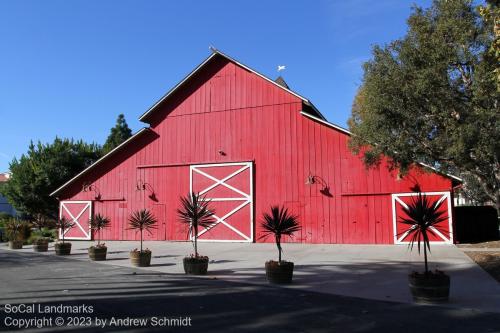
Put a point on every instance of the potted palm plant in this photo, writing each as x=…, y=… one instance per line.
x=15, y=230
x=422, y=218
x=140, y=221
x=98, y=223
x=195, y=212
x=279, y=223
x=41, y=244
x=63, y=248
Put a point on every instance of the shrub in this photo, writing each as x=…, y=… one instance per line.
x=4, y=218
x=97, y=224
x=64, y=224
x=50, y=234
x=16, y=229
x=279, y=223
x=422, y=215
x=195, y=212
x=142, y=220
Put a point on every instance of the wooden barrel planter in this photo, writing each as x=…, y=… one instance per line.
x=429, y=288
x=279, y=273
x=140, y=259
x=63, y=249
x=98, y=253
x=15, y=244
x=195, y=265
x=41, y=245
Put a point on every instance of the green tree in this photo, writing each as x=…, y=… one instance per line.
x=491, y=14
x=119, y=133
x=474, y=191
x=431, y=97
x=43, y=169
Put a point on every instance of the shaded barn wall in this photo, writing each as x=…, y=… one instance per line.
x=227, y=108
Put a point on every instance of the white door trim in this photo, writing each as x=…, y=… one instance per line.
x=444, y=196
x=88, y=205
x=246, y=199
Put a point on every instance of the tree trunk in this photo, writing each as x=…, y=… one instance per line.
x=490, y=188
x=141, y=240
x=498, y=204
x=425, y=259
x=196, y=240
x=278, y=244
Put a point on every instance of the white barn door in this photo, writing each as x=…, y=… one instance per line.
x=229, y=187
x=80, y=213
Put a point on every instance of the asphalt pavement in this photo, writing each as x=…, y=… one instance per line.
x=63, y=294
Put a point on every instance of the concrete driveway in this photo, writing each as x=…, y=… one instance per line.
x=375, y=272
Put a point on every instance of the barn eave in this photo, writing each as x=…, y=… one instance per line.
x=456, y=180
x=102, y=159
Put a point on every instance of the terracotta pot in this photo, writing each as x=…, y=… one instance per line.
x=63, y=249
x=195, y=266
x=98, y=253
x=279, y=273
x=41, y=246
x=140, y=259
x=15, y=244
x=429, y=288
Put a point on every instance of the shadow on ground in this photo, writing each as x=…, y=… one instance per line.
x=214, y=304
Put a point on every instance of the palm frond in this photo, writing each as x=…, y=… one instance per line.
x=279, y=222
x=422, y=216
x=142, y=220
x=64, y=224
x=195, y=211
x=99, y=222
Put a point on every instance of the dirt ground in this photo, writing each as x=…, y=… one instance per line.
x=491, y=244
x=489, y=260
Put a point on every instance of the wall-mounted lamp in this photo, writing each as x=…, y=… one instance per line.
x=221, y=152
x=310, y=180
x=143, y=186
x=325, y=190
x=86, y=187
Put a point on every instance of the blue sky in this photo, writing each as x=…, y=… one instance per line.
x=68, y=68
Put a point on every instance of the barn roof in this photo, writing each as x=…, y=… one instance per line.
x=214, y=54
x=281, y=81
x=310, y=111
x=99, y=161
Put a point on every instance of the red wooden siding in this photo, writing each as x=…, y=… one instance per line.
x=226, y=108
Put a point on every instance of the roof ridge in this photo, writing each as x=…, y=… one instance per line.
x=224, y=55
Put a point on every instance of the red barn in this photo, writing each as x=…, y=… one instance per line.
x=246, y=142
